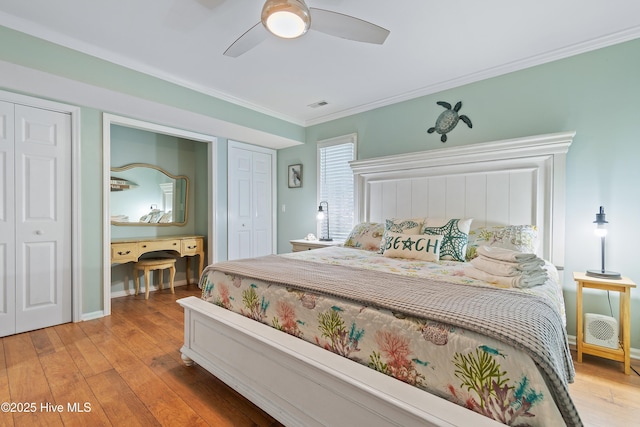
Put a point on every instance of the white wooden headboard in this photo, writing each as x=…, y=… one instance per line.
x=517, y=181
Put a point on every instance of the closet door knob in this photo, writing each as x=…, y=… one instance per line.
x=39, y=232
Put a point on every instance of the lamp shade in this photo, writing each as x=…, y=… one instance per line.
x=601, y=223
x=601, y=231
x=323, y=217
x=287, y=19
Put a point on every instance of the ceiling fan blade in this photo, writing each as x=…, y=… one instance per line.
x=347, y=27
x=253, y=37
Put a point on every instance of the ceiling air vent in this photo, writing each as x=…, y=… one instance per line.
x=318, y=104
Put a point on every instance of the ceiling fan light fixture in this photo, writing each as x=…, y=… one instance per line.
x=287, y=19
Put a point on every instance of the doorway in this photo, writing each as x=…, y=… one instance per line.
x=108, y=121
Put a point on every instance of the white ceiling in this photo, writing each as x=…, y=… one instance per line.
x=433, y=45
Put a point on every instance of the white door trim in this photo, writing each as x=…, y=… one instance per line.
x=107, y=121
x=76, y=202
x=274, y=185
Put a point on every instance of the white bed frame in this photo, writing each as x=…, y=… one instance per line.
x=518, y=181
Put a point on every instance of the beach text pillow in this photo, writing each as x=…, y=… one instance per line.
x=397, y=225
x=412, y=246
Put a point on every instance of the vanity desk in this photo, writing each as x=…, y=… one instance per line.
x=129, y=249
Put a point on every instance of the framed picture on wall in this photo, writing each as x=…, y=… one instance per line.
x=295, y=176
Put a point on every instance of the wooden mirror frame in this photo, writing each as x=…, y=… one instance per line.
x=175, y=177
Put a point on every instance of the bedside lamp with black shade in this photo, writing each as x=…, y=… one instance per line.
x=601, y=231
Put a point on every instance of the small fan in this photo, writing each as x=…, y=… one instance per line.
x=600, y=330
x=292, y=18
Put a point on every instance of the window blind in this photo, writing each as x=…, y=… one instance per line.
x=336, y=187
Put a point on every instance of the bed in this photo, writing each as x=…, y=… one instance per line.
x=473, y=373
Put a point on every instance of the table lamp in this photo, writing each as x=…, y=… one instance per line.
x=322, y=215
x=601, y=231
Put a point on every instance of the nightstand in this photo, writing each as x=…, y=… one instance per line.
x=306, y=245
x=624, y=285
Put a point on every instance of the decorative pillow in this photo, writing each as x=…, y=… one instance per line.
x=455, y=234
x=395, y=225
x=521, y=238
x=366, y=235
x=413, y=246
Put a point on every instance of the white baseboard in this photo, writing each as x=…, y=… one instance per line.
x=129, y=292
x=91, y=316
x=634, y=353
x=98, y=314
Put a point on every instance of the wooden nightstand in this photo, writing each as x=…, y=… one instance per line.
x=306, y=245
x=624, y=285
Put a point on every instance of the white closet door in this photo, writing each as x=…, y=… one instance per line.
x=240, y=220
x=261, y=201
x=250, y=202
x=43, y=217
x=7, y=222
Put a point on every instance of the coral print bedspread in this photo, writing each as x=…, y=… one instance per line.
x=512, y=379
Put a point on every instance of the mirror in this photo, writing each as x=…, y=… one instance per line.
x=144, y=194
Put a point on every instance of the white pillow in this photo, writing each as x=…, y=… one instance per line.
x=413, y=246
x=366, y=235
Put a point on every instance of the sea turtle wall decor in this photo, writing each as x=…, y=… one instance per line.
x=448, y=119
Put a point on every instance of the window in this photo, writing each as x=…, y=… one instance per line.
x=336, y=186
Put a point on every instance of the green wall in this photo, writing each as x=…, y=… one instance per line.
x=596, y=94
x=29, y=51
x=177, y=156
x=91, y=210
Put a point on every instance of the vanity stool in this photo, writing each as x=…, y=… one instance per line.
x=150, y=264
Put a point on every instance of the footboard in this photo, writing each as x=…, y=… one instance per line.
x=300, y=384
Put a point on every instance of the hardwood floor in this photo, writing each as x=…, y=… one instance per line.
x=604, y=395
x=125, y=369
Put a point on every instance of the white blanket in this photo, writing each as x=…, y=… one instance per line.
x=521, y=281
x=501, y=254
x=504, y=268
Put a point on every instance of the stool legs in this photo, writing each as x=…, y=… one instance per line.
x=161, y=278
x=147, y=283
x=136, y=280
x=172, y=275
x=153, y=265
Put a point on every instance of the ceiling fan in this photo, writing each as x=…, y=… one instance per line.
x=290, y=19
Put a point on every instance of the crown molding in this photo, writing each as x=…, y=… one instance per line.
x=532, y=61
x=38, y=31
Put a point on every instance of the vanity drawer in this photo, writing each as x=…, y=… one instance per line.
x=160, y=245
x=124, y=252
x=192, y=246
